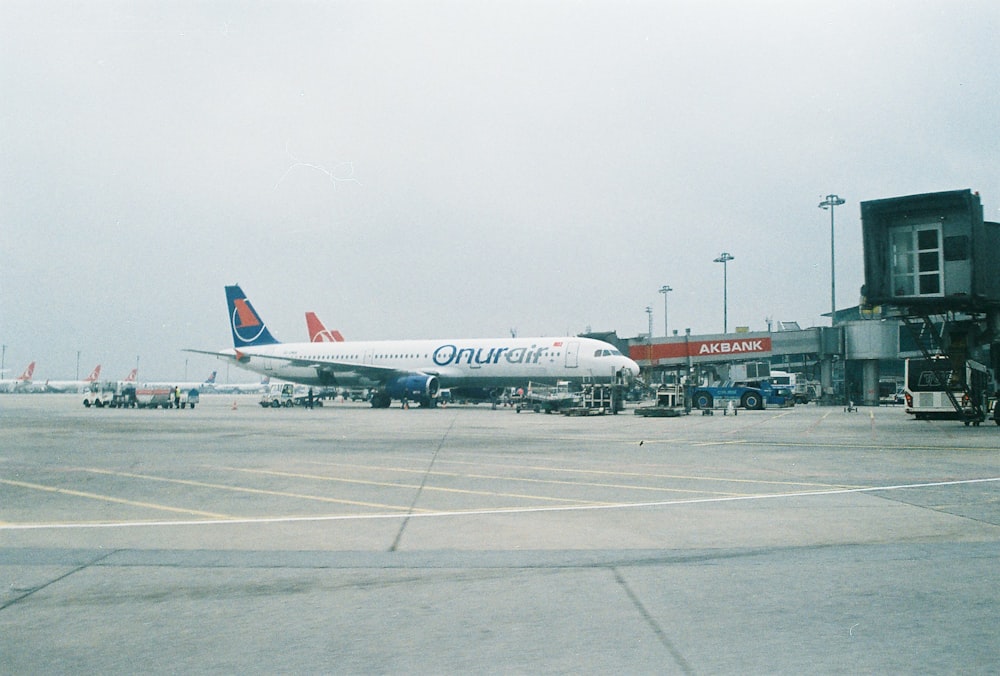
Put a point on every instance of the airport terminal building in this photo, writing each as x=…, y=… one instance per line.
x=932, y=289
x=848, y=360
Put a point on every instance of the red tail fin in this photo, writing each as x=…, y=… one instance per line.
x=26, y=376
x=94, y=375
x=319, y=333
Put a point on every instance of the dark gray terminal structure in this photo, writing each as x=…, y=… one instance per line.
x=931, y=254
x=933, y=261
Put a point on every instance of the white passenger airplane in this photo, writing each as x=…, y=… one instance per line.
x=242, y=388
x=415, y=370
x=20, y=384
x=206, y=385
x=72, y=385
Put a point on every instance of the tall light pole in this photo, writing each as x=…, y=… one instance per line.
x=649, y=312
x=830, y=202
x=724, y=258
x=665, y=290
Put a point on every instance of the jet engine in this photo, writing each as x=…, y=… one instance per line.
x=414, y=387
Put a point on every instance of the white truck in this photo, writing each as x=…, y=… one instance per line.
x=126, y=395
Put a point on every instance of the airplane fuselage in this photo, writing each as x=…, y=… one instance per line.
x=416, y=370
x=455, y=362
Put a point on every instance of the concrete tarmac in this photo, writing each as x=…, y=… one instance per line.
x=346, y=539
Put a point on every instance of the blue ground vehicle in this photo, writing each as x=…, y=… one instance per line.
x=750, y=395
x=774, y=395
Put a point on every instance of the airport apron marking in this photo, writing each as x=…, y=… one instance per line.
x=240, y=489
x=556, y=482
x=512, y=510
x=109, y=498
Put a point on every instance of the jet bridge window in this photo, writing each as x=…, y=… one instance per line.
x=916, y=260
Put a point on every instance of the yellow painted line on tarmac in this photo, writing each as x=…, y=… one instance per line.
x=816, y=424
x=555, y=482
x=439, y=489
x=757, y=421
x=109, y=498
x=242, y=489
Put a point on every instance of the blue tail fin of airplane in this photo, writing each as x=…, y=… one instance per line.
x=248, y=328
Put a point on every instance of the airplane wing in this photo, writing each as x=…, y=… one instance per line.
x=215, y=353
x=372, y=371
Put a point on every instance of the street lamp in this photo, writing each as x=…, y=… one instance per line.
x=665, y=290
x=830, y=202
x=724, y=258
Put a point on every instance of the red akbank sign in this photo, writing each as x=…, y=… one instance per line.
x=727, y=347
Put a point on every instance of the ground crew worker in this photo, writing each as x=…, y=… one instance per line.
x=177, y=396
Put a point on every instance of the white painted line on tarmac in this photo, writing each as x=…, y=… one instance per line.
x=484, y=512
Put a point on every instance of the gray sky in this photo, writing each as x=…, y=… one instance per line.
x=432, y=169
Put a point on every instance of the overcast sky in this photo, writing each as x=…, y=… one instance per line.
x=461, y=169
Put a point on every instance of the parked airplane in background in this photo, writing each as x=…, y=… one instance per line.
x=319, y=333
x=72, y=385
x=20, y=384
x=242, y=388
x=205, y=386
x=415, y=370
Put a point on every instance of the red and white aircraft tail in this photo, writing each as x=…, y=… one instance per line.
x=319, y=333
x=20, y=384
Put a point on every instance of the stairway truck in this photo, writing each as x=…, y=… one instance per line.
x=720, y=396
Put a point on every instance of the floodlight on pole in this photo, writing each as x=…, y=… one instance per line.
x=830, y=202
x=724, y=258
x=649, y=312
x=665, y=290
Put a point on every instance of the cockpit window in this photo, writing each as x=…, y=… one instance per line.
x=607, y=353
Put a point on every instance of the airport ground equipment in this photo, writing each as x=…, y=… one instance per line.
x=165, y=397
x=99, y=394
x=598, y=399
x=774, y=395
x=548, y=399
x=286, y=395
x=803, y=391
x=113, y=394
x=669, y=403
x=719, y=397
x=278, y=395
